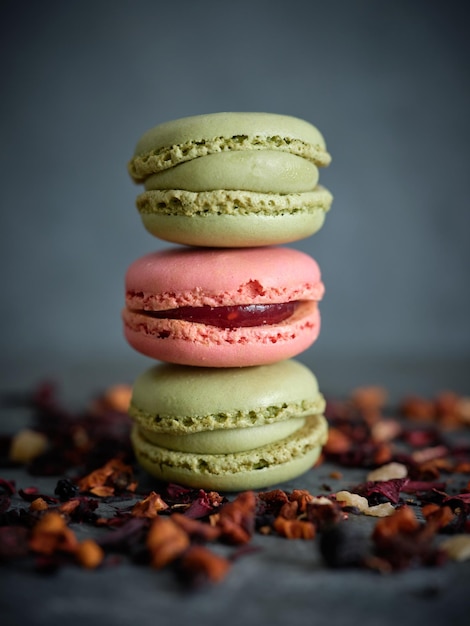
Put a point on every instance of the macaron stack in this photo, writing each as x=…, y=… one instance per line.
x=225, y=310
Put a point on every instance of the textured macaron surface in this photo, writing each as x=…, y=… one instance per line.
x=250, y=469
x=195, y=277
x=179, y=400
x=178, y=141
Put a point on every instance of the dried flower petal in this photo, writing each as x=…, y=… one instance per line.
x=13, y=542
x=385, y=489
x=32, y=493
x=7, y=486
x=197, y=531
x=204, y=504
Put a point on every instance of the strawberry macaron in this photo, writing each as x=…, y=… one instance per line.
x=216, y=307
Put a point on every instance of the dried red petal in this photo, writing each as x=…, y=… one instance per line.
x=13, y=542
x=7, y=486
x=388, y=489
x=32, y=493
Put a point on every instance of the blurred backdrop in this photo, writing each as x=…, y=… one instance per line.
x=387, y=83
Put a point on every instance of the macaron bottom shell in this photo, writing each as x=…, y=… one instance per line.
x=264, y=466
x=239, y=231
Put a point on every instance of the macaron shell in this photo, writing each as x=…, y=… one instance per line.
x=221, y=277
x=253, y=469
x=266, y=171
x=186, y=343
x=177, y=141
x=183, y=400
x=239, y=219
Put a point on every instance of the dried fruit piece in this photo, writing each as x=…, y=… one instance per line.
x=51, y=534
x=380, y=510
x=38, y=505
x=114, y=475
x=294, y=528
x=388, y=472
x=166, y=541
x=236, y=519
x=89, y=554
x=457, y=547
x=352, y=499
x=27, y=445
x=66, y=489
x=149, y=506
x=200, y=564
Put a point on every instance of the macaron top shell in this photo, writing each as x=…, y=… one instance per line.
x=181, y=399
x=177, y=141
x=221, y=277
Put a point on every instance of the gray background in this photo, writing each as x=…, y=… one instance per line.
x=386, y=82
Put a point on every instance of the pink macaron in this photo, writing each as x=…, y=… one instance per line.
x=223, y=307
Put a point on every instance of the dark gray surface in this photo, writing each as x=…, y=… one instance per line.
x=387, y=84
x=284, y=583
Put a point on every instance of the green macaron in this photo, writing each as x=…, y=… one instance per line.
x=227, y=429
x=238, y=179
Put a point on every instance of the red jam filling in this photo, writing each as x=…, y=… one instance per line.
x=230, y=316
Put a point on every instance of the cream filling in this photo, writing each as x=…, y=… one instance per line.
x=225, y=441
x=264, y=171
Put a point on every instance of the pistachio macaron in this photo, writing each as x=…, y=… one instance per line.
x=241, y=179
x=227, y=429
